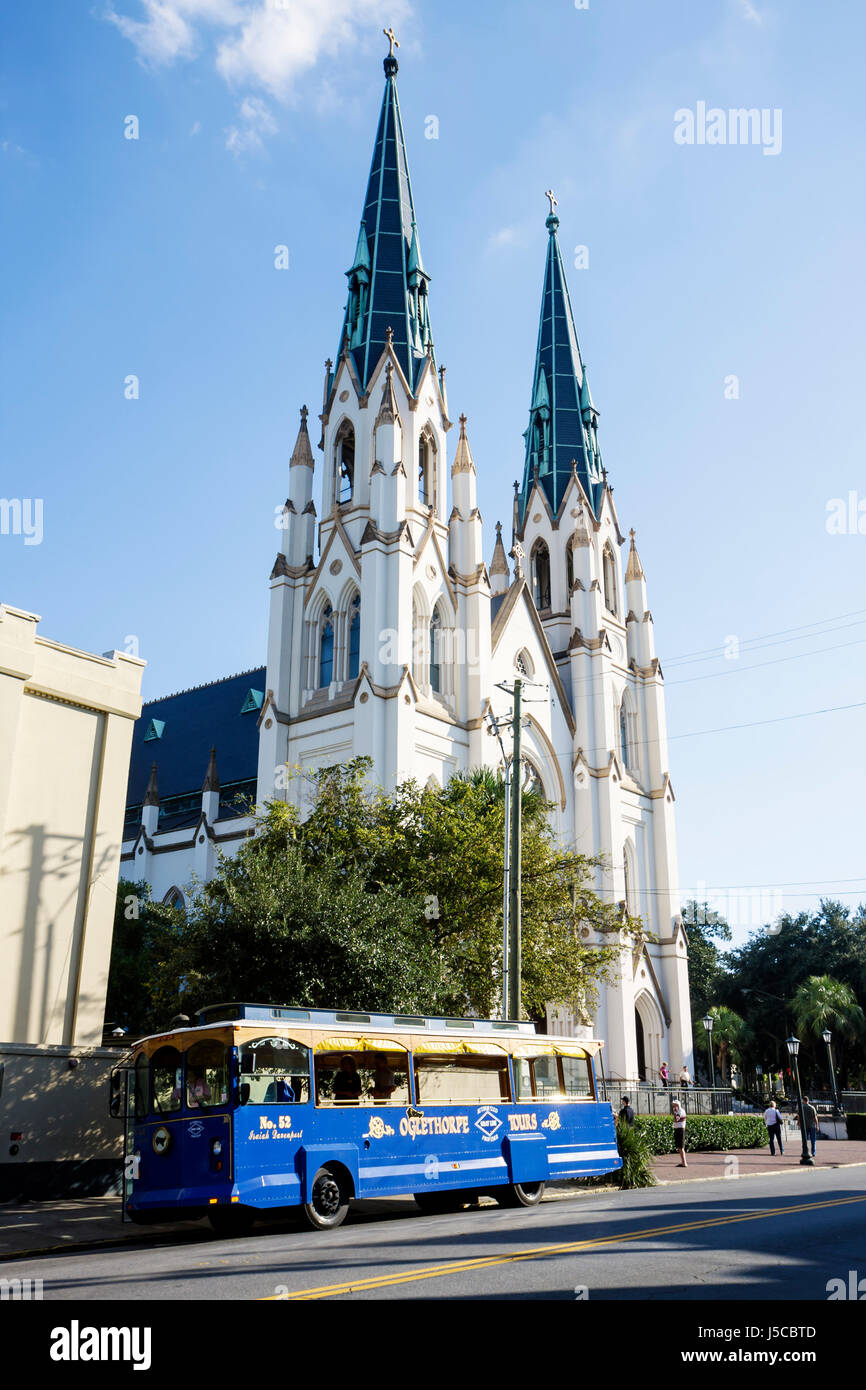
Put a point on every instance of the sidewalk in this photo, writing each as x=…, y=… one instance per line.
x=742, y=1163
x=28, y=1228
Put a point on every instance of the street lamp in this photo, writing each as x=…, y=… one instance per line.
x=707, y=1021
x=793, y=1046
x=826, y=1035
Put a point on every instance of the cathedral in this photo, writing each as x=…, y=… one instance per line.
x=391, y=637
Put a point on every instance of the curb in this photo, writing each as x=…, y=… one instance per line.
x=194, y=1237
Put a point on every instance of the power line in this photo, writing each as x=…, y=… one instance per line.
x=709, y=652
x=756, y=723
x=756, y=666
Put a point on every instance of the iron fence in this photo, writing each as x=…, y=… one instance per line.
x=646, y=1099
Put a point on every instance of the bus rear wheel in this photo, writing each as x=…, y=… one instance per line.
x=520, y=1194
x=328, y=1204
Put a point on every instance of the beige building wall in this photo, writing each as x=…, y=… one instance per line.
x=66, y=722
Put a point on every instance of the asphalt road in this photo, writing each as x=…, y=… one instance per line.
x=779, y=1237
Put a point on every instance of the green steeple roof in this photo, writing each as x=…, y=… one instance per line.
x=387, y=280
x=563, y=420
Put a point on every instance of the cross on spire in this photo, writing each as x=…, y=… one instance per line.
x=554, y=201
x=393, y=41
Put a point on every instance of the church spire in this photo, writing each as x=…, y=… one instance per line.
x=563, y=420
x=387, y=280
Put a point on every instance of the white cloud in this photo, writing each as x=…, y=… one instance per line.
x=278, y=43
x=264, y=43
x=750, y=13
x=255, y=121
x=166, y=32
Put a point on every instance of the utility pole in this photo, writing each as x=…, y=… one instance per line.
x=514, y=972
x=506, y=888
x=512, y=964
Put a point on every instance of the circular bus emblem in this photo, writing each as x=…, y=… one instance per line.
x=161, y=1140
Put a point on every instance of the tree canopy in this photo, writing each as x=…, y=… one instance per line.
x=392, y=902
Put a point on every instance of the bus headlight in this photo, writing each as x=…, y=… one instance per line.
x=216, y=1148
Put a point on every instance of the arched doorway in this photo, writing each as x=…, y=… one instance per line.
x=650, y=1036
x=641, y=1047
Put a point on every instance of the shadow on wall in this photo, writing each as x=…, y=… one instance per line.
x=60, y=883
x=56, y=1136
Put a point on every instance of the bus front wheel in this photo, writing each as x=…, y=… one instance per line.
x=328, y=1204
x=520, y=1194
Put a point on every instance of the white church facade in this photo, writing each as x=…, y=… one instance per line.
x=389, y=635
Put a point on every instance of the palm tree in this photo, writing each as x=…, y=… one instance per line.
x=731, y=1034
x=821, y=1002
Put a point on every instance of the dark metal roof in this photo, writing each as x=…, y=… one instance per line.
x=388, y=282
x=194, y=721
x=562, y=410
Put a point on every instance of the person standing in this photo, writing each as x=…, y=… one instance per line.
x=810, y=1115
x=663, y=1074
x=626, y=1113
x=685, y=1079
x=680, y=1133
x=773, y=1121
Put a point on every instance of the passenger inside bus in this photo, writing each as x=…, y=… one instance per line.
x=347, y=1082
x=384, y=1080
x=363, y=1077
x=273, y=1071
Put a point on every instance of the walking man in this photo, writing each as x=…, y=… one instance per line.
x=773, y=1121
x=663, y=1074
x=810, y=1115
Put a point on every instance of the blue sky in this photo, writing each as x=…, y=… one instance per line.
x=155, y=257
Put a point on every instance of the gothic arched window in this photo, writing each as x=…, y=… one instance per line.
x=541, y=576
x=609, y=568
x=426, y=491
x=623, y=734
x=436, y=651
x=355, y=637
x=569, y=567
x=344, y=464
x=326, y=649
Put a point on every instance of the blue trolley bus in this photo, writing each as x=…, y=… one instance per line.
x=260, y=1108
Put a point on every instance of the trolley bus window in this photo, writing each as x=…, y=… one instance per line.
x=362, y=1078
x=537, y=1078
x=461, y=1080
x=206, y=1074
x=141, y=1075
x=165, y=1071
x=274, y=1071
x=577, y=1078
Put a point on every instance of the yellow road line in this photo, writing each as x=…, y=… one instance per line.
x=542, y=1251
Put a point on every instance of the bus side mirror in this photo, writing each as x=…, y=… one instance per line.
x=245, y=1093
x=247, y=1064
x=115, y=1095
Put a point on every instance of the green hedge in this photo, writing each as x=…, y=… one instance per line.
x=705, y=1133
x=856, y=1125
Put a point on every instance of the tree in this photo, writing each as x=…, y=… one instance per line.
x=706, y=964
x=146, y=935
x=762, y=978
x=821, y=1002
x=730, y=1035
x=393, y=902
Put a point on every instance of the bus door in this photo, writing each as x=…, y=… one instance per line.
x=205, y=1126
x=273, y=1117
x=158, y=1122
